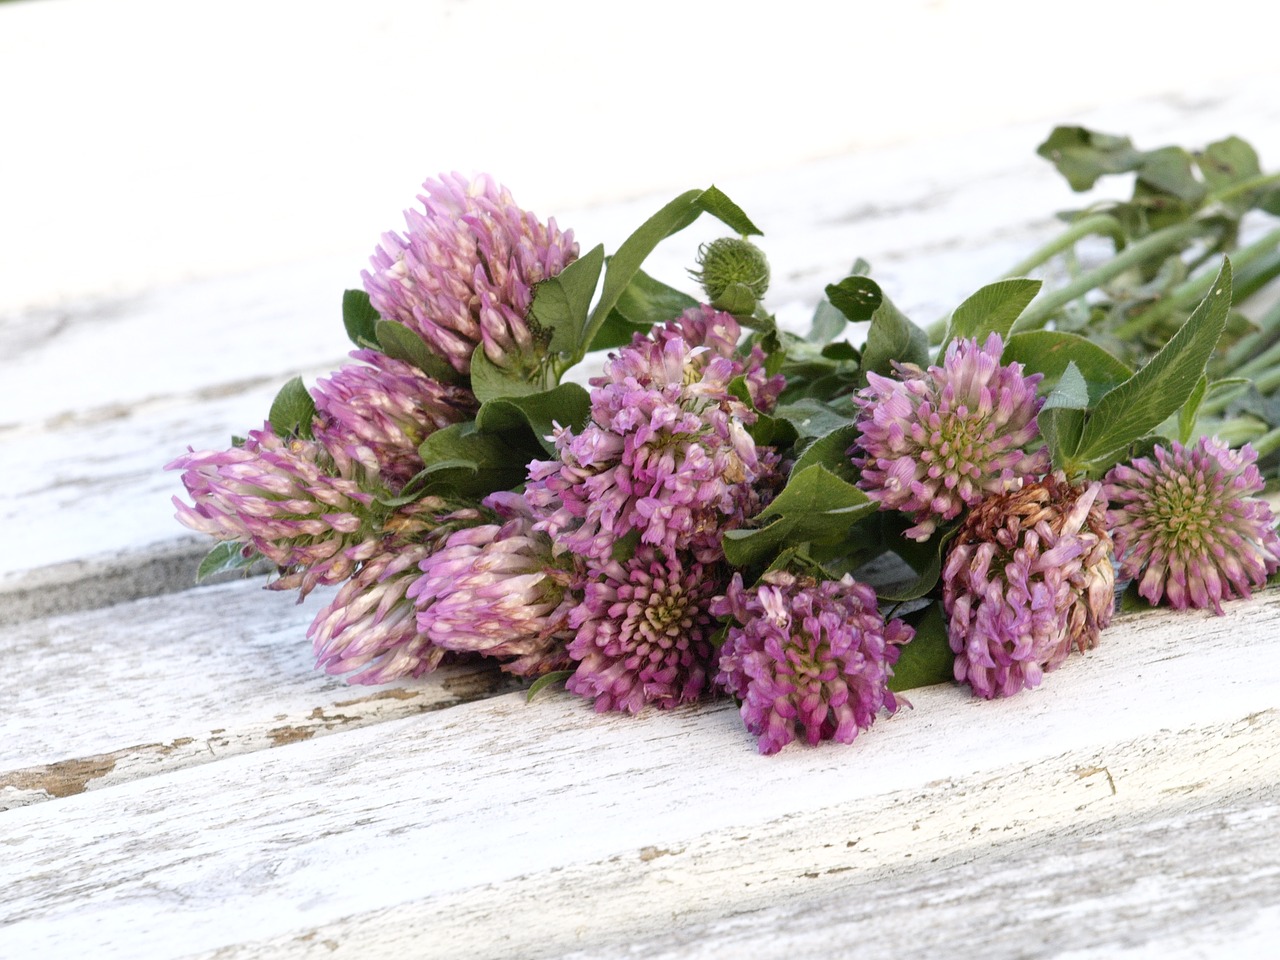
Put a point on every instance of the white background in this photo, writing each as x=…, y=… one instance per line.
x=145, y=142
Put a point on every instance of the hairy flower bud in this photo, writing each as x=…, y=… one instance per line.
x=732, y=271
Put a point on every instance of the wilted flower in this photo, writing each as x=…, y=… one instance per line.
x=1187, y=524
x=1028, y=576
x=285, y=499
x=666, y=454
x=377, y=413
x=941, y=439
x=496, y=589
x=807, y=657
x=464, y=272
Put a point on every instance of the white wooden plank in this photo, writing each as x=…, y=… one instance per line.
x=163, y=683
x=546, y=822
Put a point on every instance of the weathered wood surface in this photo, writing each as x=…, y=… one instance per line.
x=501, y=828
x=176, y=780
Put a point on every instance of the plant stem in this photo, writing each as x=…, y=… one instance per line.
x=1244, y=186
x=1098, y=223
x=1159, y=242
x=1267, y=443
x=1194, y=289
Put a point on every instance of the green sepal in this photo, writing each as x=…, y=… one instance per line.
x=292, y=411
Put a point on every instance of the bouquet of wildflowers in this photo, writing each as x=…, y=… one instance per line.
x=807, y=524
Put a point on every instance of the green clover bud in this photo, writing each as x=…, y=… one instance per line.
x=733, y=272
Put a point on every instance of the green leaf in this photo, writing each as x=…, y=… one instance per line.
x=993, y=309
x=927, y=659
x=713, y=201
x=737, y=298
x=560, y=304
x=1168, y=170
x=491, y=382
x=828, y=323
x=857, y=297
x=672, y=218
x=1071, y=393
x=815, y=506
x=1228, y=162
x=359, y=317
x=924, y=558
x=1142, y=402
x=1082, y=156
x=464, y=462
x=892, y=337
x=1050, y=351
x=226, y=556
x=1061, y=419
x=546, y=680
x=830, y=450
x=292, y=410
x=536, y=413
x=400, y=343
x=646, y=301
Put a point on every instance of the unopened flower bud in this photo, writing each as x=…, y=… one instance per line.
x=732, y=271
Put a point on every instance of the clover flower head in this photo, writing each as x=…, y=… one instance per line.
x=378, y=412
x=666, y=455
x=464, y=272
x=370, y=625
x=1028, y=577
x=935, y=441
x=286, y=499
x=807, y=658
x=495, y=589
x=1185, y=520
x=643, y=632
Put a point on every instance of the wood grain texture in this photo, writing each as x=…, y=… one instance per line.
x=556, y=828
x=207, y=674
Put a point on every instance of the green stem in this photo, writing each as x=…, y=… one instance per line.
x=1171, y=237
x=1244, y=186
x=1192, y=291
x=1099, y=223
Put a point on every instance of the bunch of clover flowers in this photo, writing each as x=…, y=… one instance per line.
x=640, y=498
